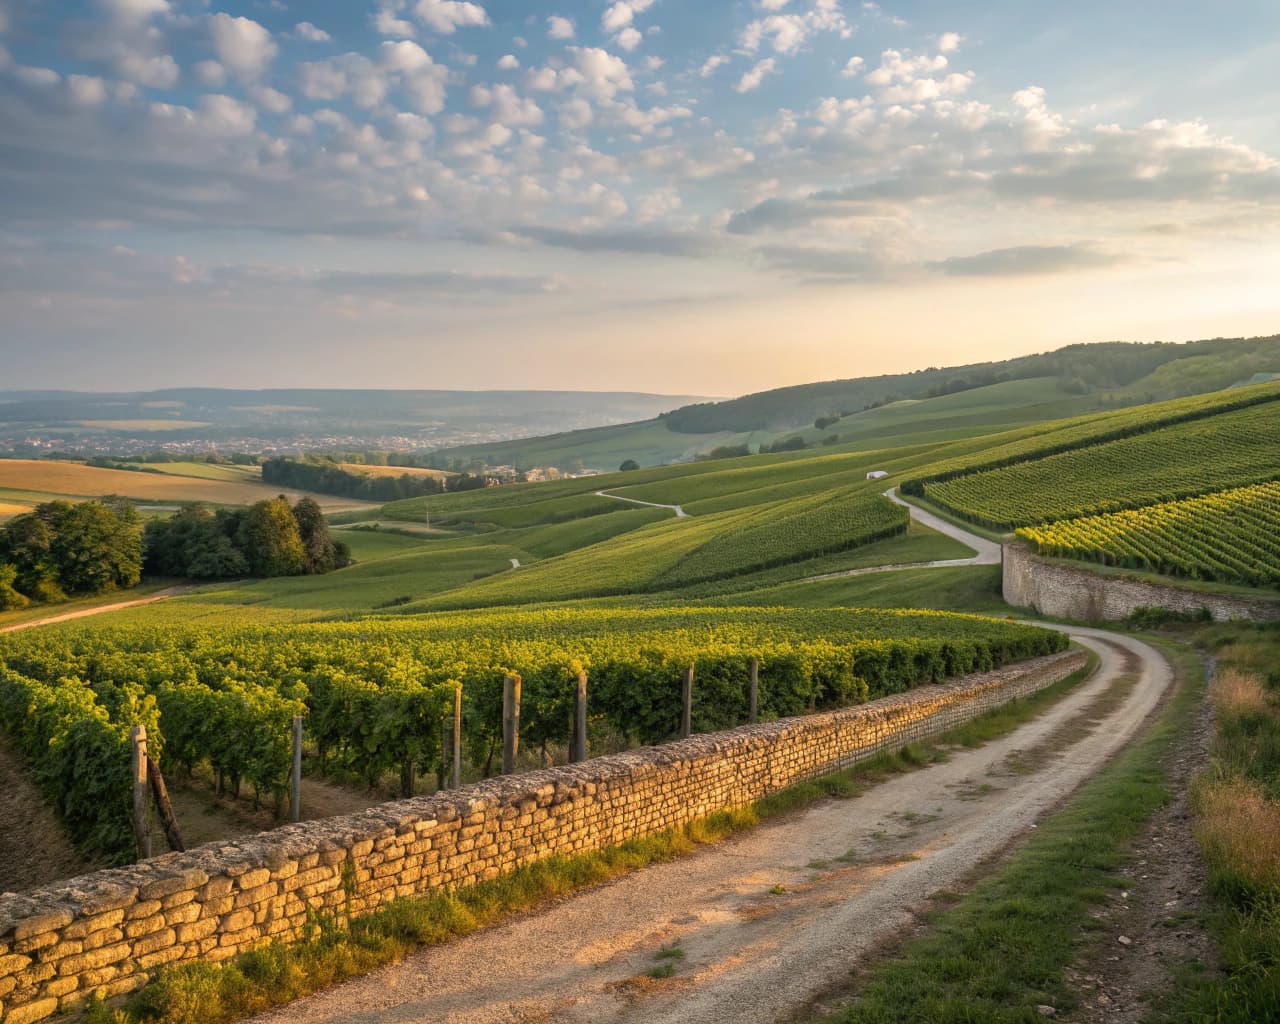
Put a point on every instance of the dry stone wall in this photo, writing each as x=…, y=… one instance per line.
x=105, y=933
x=1070, y=592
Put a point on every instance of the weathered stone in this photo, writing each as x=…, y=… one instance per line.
x=38, y=1010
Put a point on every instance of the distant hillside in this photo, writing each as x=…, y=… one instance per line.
x=928, y=406
x=1134, y=372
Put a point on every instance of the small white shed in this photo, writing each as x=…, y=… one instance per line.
x=877, y=474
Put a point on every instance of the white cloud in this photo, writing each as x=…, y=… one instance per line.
x=752, y=79
x=446, y=16
x=603, y=74
x=628, y=39
x=653, y=63
x=560, y=28
x=894, y=66
x=711, y=63
x=271, y=100
x=949, y=42
x=786, y=33
x=210, y=72
x=86, y=90
x=134, y=10
x=853, y=67
x=306, y=30
x=223, y=115
x=388, y=22
x=242, y=45
x=508, y=62
x=507, y=106
x=159, y=72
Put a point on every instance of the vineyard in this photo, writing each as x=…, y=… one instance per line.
x=1197, y=457
x=674, y=553
x=1044, y=440
x=375, y=693
x=1231, y=537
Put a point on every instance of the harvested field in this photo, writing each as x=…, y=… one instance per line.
x=355, y=467
x=74, y=480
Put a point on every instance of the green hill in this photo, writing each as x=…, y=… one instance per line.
x=927, y=406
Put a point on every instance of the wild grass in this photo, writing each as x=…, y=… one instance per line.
x=995, y=955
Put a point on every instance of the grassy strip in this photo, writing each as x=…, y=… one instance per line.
x=1236, y=803
x=204, y=993
x=999, y=952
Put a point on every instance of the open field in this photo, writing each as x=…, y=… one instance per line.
x=367, y=470
x=209, y=471
x=55, y=479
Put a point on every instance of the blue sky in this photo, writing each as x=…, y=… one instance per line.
x=713, y=197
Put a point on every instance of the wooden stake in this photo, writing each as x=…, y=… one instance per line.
x=457, y=737
x=141, y=785
x=295, y=801
x=753, y=697
x=172, y=834
x=578, y=749
x=510, y=723
x=686, y=709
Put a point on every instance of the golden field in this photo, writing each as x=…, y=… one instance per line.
x=73, y=480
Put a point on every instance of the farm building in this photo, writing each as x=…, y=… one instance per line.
x=877, y=474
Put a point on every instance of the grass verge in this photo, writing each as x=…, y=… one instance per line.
x=1236, y=807
x=335, y=949
x=998, y=953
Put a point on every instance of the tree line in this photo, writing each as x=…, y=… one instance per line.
x=60, y=550
x=325, y=476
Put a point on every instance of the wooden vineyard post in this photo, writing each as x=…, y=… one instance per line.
x=168, y=821
x=295, y=798
x=456, y=746
x=510, y=723
x=578, y=748
x=141, y=785
x=753, y=697
x=686, y=705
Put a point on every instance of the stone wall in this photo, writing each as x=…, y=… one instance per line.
x=1065, y=591
x=104, y=933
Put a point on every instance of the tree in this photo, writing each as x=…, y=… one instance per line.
x=320, y=551
x=10, y=598
x=97, y=548
x=628, y=466
x=269, y=539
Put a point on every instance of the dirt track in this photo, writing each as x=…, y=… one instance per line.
x=851, y=873
x=49, y=620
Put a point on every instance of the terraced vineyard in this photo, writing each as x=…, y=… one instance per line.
x=1231, y=537
x=1196, y=457
x=375, y=691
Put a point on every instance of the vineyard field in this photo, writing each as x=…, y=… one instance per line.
x=1046, y=439
x=1229, y=537
x=1187, y=459
x=374, y=692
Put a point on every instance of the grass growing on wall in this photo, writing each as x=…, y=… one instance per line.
x=203, y=993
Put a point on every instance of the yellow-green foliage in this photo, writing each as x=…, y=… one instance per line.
x=1232, y=536
x=1180, y=461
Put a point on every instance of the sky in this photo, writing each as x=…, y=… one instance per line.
x=709, y=197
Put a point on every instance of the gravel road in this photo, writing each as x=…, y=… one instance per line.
x=770, y=919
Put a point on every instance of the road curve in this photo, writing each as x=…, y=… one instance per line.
x=768, y=919
x=985, y=552
x=680, y=513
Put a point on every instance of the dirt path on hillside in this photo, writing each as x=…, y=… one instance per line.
x=49, y=620
x=985, y=552
x=680, y=513
x=27, y=824
x=771, y=919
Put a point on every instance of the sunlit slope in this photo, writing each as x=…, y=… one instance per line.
x=1142, y=457
x=1232, y=536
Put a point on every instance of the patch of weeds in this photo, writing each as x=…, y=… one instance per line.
x=778, y=890
x=671, y=951
x=664, y=970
